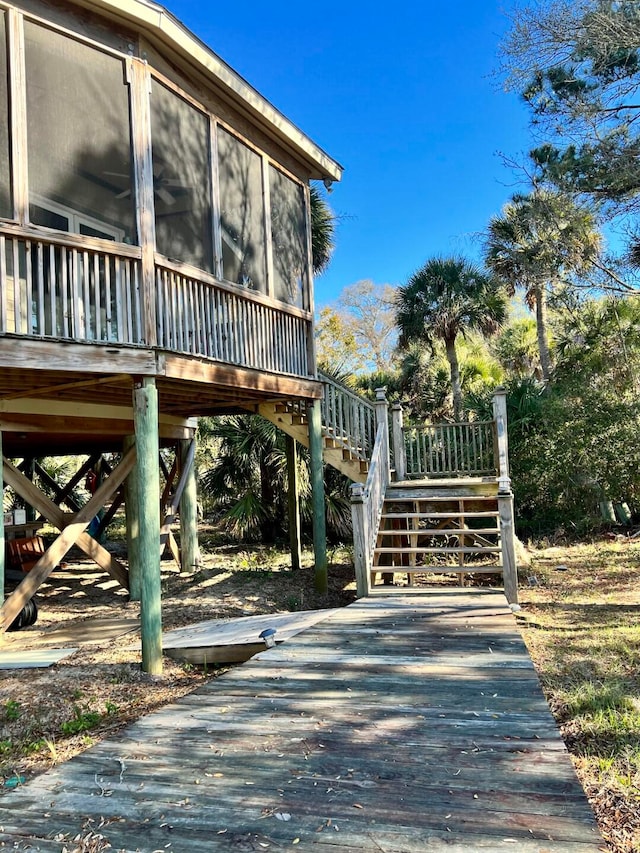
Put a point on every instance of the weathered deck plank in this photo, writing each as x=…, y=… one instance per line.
x=394, y=726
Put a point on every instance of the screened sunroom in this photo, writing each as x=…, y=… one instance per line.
x=155, y=266
x=139, y=204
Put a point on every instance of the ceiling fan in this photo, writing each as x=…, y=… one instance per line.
x=162, y=185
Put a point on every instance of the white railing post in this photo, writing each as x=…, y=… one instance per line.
x=382, y=417
x=508, y=542
x=360, y=539
x=505, y=499
x=399, y=450
x=500, y=418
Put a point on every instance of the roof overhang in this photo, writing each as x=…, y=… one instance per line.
x=162, y=28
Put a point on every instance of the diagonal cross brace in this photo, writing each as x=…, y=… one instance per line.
x=73, y=531
x=166, y=536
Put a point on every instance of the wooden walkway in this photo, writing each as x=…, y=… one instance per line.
x=395, y=725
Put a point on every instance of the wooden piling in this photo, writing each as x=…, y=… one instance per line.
x=314, y=419
x=294, y=502
x=133, y=527
x=145, y=415
x=189, y=549
x=1, y=528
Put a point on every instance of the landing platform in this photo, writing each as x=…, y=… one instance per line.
x=393, y=725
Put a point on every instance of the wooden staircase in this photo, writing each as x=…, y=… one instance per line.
x=446, y=527
x=444, y=507
x=344, y=448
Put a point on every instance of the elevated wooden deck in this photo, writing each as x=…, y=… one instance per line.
x=393, y=725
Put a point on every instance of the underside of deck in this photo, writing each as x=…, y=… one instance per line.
x=393, y=725
x=60, y=398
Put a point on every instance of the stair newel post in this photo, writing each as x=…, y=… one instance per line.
x=399, y=451
x=314, y=420
x=382, y=417
x=508, y=544
x=505, y=499
x=502, y=441
x=360, y=539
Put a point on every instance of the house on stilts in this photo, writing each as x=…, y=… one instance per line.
x=155, y=266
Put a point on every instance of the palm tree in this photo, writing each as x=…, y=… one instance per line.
x=540, y=241
x=445, y=298
x=323, y=229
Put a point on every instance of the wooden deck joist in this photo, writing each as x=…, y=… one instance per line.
x=393, y=725
x=58, y=398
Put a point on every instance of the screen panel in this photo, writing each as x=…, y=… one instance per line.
x=289, y=239
x=79, y=136
x=241, y=213
x=182, y=179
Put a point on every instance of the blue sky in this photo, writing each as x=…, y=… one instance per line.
x=402, y=95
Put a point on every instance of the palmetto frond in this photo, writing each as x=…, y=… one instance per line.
x=448, y=297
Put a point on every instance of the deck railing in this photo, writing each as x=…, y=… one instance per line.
x=77, y=288
x=348, y=418
x=60, y=288
x=197, y=314
x=450, y=450
x=367, y=500
x=467, y=449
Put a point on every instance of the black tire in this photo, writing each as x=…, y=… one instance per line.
x=26, y=617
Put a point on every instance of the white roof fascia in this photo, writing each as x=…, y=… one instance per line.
x=159, y=22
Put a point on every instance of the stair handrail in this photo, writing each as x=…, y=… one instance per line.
x=367, y=499
x=347, y=417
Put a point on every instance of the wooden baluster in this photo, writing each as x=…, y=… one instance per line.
x=3, y=284
x=40, y=308
x=17, y=314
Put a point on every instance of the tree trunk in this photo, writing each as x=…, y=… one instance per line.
x=541, y=325
x=268, y=499
x=452, y=357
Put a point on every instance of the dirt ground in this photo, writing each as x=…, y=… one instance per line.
x=48, y=715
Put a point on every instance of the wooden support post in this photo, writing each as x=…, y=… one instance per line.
x=132, y=522
x=145, y=418
x=360, y=536
x=139, y=79
x=399, y=450
x=502, y=441
x=508, y=542
x=190, y=552
x=314, y=419
x=29, y=471
x=1, y=528
x=294, y=502
x=382, y=417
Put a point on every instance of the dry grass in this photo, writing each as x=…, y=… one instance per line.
x=581, y=623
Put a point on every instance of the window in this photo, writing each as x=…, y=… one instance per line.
x=79, y=138
x=288, y=238
x=53, y=215
x=182, y=179
x=241, y=213
x=6, y=202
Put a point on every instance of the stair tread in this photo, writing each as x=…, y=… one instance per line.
x=466, y=549
x=452, y=514
x=437, y=531
x=402, y=497
x=435, y=570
